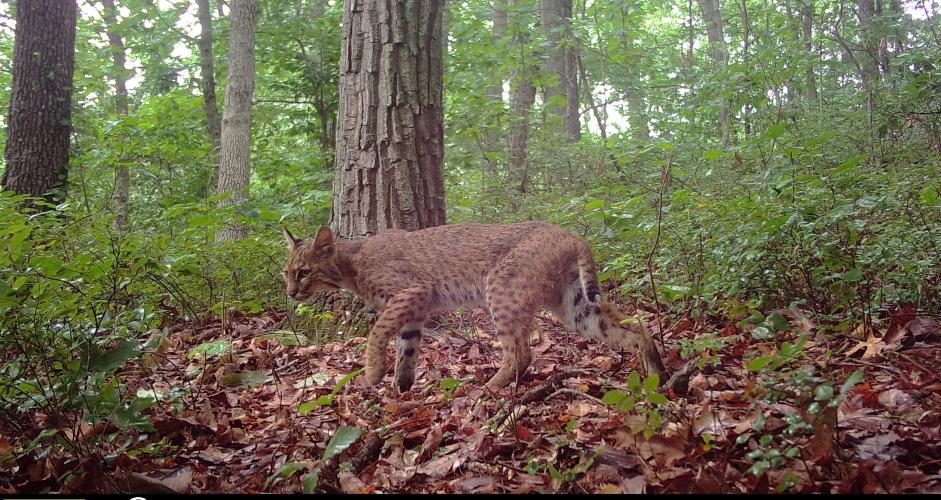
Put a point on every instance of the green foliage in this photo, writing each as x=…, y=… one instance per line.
x=341, y=440
x=640, y=392
x=785, y=375
x=327, y=400
x=79, y=301
x=705, y=348
x=449, y=385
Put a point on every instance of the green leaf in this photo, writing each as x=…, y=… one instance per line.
x=627, y=404
x=289, y=469
x=651, y=383
x=305, y=408
x=108, y=360
x=775, y=131
x=929, y=196
x=853, y=276
x=449, y=384
x=594, y=204
x=633, y=382
x=823, y=392
x=310, y=481
x=758, y=363
x=613, y=397
x=344, y=437
x=345, y=380
x=712, y=154
x=210, y=349
x=850, y=164
x=761, y=333
x=657, y=398
x=778, y=323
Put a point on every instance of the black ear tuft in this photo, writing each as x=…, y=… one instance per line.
x=292, y=240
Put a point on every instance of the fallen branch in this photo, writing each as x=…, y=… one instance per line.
x=361, y=453
x=536, y=394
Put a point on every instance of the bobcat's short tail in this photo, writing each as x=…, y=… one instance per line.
x=588, y=275
x=585, y=312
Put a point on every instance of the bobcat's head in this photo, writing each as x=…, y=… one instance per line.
x=312, y=265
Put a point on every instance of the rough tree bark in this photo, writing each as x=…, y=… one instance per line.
x=207, y=72
x=390, y=135
x=39, y=120
x=711, y=11
x=234, y=166
x=122, y=178
x=557, y=22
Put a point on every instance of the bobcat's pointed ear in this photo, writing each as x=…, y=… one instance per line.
x=324, y=244
x=292, y=240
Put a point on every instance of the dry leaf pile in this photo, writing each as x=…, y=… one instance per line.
x=260, y=416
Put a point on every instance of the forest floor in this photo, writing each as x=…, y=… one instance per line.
x=239, y=426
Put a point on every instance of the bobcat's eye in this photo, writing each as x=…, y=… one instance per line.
x=303, y=273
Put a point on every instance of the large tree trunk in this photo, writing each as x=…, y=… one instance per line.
x=234, y=166
x=522, y=97
x=207, y=71
x=390, y=135
x=712, y=13
x=561, y=99
x=39, y=121
x=122, y=178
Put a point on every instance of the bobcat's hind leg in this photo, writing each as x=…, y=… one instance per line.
x=512, y=319
x=407, y=307
x=406, y=359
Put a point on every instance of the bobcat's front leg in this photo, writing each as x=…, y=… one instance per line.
x=408, y=306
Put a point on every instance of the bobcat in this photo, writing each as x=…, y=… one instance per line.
x=512, y=269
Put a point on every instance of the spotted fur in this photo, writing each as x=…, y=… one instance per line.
x=512, y=269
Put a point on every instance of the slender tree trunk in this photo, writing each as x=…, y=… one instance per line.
x=870, y=60
x=500, y=23
x=494, y=136
x=522, y=98
x=598, y=113
x=636, y=94
x=561, y=99
x=712, y=13
x=390, y=134
x=869, y=66
x=900, y=28
x=746, y=45
x=207, y=71
x=122, y=179
x=39, y=121
x=234, y=166
x=807, y=24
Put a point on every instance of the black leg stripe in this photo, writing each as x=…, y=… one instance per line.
x=411, y=334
